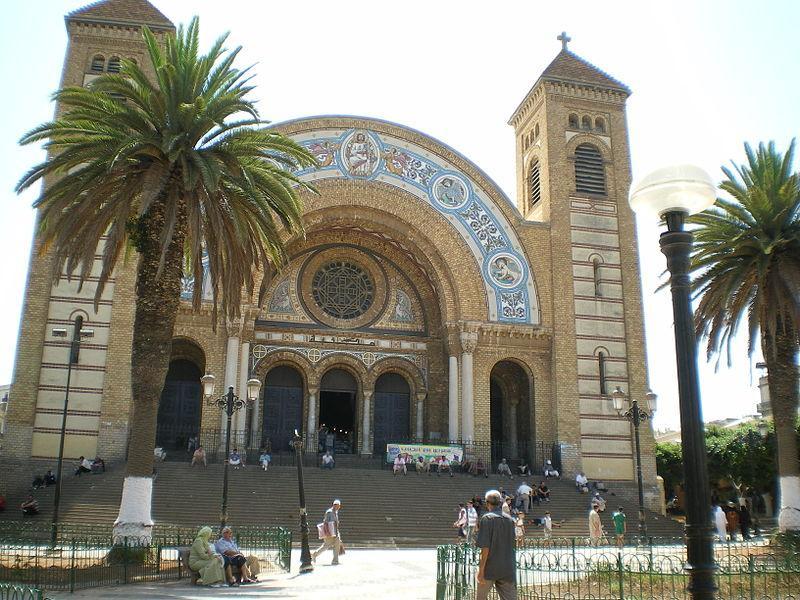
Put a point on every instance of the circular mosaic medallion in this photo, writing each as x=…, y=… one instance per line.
x=450, y=191
x=505, y=270
x=342, y=289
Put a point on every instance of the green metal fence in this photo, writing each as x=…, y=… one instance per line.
x=9, y=591
x=579, y=572
x=84, y=556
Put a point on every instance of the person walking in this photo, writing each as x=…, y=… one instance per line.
x=620, y=526
x=329, y=533
x=721, y=523
x=472, y=522
x=461, y=522
x=497, y=567
x=595, y=526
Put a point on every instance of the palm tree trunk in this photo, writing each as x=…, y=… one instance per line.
x=783, y=393
x=157, y=299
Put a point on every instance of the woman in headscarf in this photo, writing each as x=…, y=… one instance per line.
x=204, y=559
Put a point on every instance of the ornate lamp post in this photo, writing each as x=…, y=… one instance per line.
x=305, y=551
x=636, y=415
x=230, y=403
x=673, y=193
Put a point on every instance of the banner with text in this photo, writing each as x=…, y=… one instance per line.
x=427, y=451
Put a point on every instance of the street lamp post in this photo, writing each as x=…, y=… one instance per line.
x=230, y=403
x=74, y=352
x=305, y=551
x=636, y=415
x=673, y=193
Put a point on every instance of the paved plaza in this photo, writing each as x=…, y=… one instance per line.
x=366, y=573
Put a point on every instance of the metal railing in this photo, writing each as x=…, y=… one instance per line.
x=10, y=591
x=176, y=443
x=582, y=572
x=84, y=555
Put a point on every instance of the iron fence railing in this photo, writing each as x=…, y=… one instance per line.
x=581, y=572
x=179, y=443
x=87, y=557
x=10, y=591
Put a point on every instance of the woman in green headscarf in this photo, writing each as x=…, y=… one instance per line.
x=204, y=560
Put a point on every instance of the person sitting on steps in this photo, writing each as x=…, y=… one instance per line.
x=30, y=507
x=328, y=461
x=549, y=471
x=84, y=466
x=199, y=457
x=504, y=469
x=235, y=459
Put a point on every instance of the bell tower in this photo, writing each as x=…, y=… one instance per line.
x=573, y=173
x=100, y=36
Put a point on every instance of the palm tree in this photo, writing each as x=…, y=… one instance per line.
x=176, y=167
x=746, y=265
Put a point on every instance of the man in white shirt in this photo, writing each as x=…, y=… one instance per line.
x=581, y=481
x=472, y=522
x=84, y=466
x=524, y=495
x=327, y=460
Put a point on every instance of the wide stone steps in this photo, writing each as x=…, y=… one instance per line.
x=377, y=507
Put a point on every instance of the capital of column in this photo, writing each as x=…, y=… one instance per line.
x=367, y=394
x=421, y=396
x=469, y=341
x=313, y=391
x=451, y=333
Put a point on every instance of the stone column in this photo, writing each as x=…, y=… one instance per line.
x=420, y=433
x=512, y=430
x=452, y=398
x=469, y=340
x=240, y=417
x=231, y=367
x=311, y=426
x=366, y=448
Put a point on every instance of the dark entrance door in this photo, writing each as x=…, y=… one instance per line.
x=391, y=415
x=179, y=407
x=283, y=407
x=337, y=411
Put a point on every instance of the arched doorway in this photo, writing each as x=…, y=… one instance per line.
x=391, y=412
x=337, y=410
x=282, y=407
x=180, y=406
x=510, y=414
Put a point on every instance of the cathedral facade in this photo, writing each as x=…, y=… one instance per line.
x=422, y=303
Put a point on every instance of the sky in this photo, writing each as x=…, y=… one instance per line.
x=706, y=76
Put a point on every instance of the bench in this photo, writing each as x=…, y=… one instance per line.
x=183, y=555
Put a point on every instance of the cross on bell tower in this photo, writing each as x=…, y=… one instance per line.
x=564, y=39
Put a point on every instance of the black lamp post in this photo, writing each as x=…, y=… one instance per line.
x=230, y=403
x=673, y=193
x=74, y=351
x=305, y=551
x=636, y=415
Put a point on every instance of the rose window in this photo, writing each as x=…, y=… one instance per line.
x=343, y=290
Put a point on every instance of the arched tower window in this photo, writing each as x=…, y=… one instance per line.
x=536, y=131
x=590, y=176
x=113, y=64
x=596, y=263
x=98, y=64
x=573, y=121
x=534, y=183
x=586, y=122
x=600, y=125
x=601, y=370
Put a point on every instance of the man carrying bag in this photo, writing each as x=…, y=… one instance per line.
x=329, y=533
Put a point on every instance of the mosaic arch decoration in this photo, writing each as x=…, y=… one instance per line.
x=360, y=153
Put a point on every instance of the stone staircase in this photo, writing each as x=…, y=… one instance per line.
x=377, y=507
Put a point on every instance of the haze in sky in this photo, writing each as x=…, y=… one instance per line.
x=706, y=77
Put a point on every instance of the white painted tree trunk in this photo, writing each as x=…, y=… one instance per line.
x=789, y=517
x=134, y=521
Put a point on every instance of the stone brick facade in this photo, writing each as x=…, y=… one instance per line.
x=494, y=313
